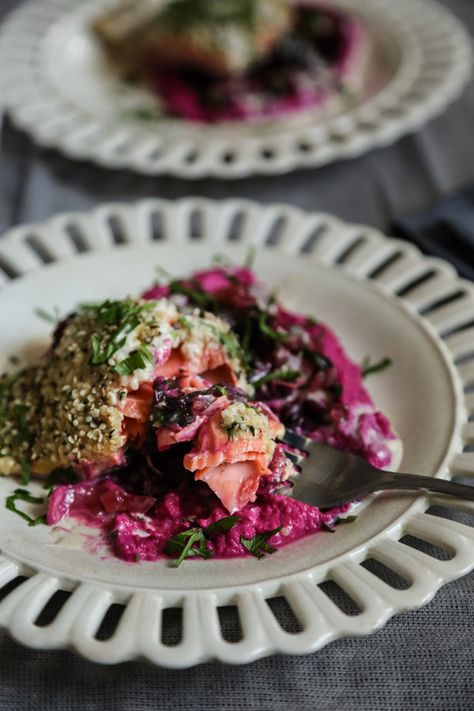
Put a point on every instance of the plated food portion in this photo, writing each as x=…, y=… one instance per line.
x=213, y=61
x=160, y=420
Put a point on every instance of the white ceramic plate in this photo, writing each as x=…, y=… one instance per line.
x=57, y=86
x=383, y=298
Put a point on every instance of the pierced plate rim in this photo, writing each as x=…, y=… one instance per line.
x=28, y=248
x=436, y=65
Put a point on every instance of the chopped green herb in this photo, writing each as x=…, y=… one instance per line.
x=50, y=317
x=193, y=541
x=250, y=258
x=100, y=352
x=184, y=545
x=112, y=313
x=221, y=526
x=221, y=260
x=231, y=429
x=143, y=113
x=368, y=368
x=25, y=471
x=24, y=495
x=19, y=413
x=163, y=274
x=231, y=343
x=195, y=294
x=258, y=546
x=123, y=315
x=346, y=92
x=268, y=331
x=337, y=522
x=288, y=375
x=185, y=323
x=188, y=13
x=327, y=527
x=135, y=361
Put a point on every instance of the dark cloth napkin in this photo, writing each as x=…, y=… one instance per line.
x=445, y=230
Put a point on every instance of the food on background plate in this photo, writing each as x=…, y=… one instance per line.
x=211, y=61
x=160, y=419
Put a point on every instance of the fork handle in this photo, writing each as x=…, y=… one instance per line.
x=395, y=480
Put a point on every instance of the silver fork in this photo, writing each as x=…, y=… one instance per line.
x=330, y=477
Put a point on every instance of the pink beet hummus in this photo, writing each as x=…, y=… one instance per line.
x=139, y=527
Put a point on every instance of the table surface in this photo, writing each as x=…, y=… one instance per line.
x=419, y=660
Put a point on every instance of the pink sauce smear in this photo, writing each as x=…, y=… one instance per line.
x=139, y=527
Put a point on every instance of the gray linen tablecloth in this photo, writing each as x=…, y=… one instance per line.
x=419, y=660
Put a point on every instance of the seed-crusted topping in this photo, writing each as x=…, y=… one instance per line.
x=243, y=421
x=67, y=405
x=67, y=408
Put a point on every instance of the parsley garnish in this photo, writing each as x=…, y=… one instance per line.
x=124, y=316
x=101, y=353
x=221, y=526
x=221, y=260
x=250, y=257
x=187, y=13
x=288, y=375
x=185, y=322
x=368, y=368
x=24, y=495
x=25, y=471
x=258, y=546
x=195, y=294
x=51, y=317
x=186, y=544
x=19, y=414
x=162, y=273
x=135, y=361
x=230, y=342
x=231, y=429
x=193, y=541
x=143, y=113
x=268, y=330
x=337, y=521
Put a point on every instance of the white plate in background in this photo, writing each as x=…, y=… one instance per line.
x=58, y=87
